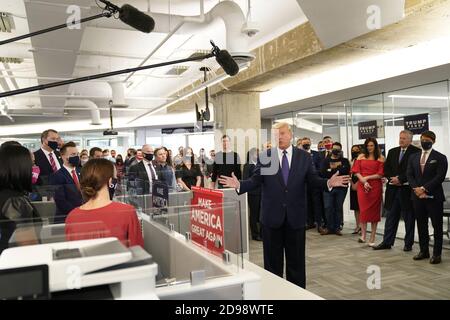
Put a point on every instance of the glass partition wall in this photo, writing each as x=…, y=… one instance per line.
x=340, y=121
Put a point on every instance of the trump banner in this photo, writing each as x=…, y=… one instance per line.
x=367, y=129
x=207, y=225
x=417, y=123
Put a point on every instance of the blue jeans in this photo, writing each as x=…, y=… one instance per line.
x=334, y=207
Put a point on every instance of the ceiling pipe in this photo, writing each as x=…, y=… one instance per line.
x=118, y=94
x=80, y=103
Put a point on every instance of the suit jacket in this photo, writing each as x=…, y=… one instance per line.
x=43, y=163
x=393, y=168
x=249, y=170
x=280, y=202
x=433, y=175
x=138, y=178
x=67, y=196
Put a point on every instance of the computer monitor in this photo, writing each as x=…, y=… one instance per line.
x=26, y=283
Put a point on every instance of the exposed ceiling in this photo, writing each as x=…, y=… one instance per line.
x=106, y=45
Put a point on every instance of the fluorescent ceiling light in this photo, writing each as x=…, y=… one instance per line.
x=201, y=87
x=353, y=113
x=403, y=96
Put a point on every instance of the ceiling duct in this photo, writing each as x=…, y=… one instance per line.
x=177, y=71
x=88, y=104
x=118, y=94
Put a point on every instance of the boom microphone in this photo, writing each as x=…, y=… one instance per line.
x=225, y=60
x=136, y=19
x=132, y=16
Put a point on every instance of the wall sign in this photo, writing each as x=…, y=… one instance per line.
x=367, y=129
x=417, y=123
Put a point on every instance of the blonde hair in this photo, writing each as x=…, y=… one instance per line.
x=279, y=125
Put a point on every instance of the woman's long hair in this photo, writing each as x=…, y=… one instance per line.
x=376, y=152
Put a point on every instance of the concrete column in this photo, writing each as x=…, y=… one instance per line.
x=239, y=116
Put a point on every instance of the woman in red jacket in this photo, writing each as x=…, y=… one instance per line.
x=99, y=217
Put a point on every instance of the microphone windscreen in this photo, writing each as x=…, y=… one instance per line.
x=136, y=19
x=227, y=63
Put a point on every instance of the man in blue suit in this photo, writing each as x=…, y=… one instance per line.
x=282, y=173
x=66, y=182
x=426, y=172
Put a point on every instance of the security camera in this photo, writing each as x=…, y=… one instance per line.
x=250, y=28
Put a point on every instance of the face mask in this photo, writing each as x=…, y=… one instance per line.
x=84, y=161
x=321, y=149
x=35, y=171
x=148, y=156
x=328, y=146
x=306, y=146
x=426, y=145
x=112, y=188
x=119, y=161
x=355, y=155
x=75, y=161
x=139, y=157
x=336, y=152
x=53, y=145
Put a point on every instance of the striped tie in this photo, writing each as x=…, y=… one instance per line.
x=52, y=162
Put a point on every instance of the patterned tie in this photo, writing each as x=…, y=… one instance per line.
x=75, y=179
x=423, y=162
x=151, y=172
x=52, y=162
x=402, y=153
x=285, y=167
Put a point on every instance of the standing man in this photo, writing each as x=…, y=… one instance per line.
x=426, y=172
x=226, y=163
x=143, y=173
x=67, y=183
x=47, y=158
x=282, y=173
x=398, y=193
x=314, y=197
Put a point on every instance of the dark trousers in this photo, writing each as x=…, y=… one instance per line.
x=315, y=210
x=254, y=204
x=393, y=218
x=435, y=211
x=334, y=208
x=278, y=242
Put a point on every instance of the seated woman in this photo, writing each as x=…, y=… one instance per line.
x=18, y=217
x=99, y=217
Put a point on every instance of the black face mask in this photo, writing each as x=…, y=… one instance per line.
x=306, y=146
x=112, y=188
x=119, y=161
x=53, y=145
x=355, y=155
x=148, y=156
x=336, y=153
x=426, y=145
x=75, y=160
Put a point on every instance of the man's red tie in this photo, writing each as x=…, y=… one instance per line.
x=52, y=162
x=75, y=179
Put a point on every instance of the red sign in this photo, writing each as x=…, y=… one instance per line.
x=207, y=226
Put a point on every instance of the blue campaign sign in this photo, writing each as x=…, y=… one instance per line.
x=160, y=194
x=417, y=123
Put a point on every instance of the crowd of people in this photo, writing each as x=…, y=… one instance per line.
x=83, y=184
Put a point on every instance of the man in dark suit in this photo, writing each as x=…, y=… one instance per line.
x=426, y=172
x=66, y=182
x=282, y=173
x=142, y=174
x=314, y=196
x=398, y=193
x=47, y=158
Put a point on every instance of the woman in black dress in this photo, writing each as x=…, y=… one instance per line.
x=356, y=151
x=188, y=173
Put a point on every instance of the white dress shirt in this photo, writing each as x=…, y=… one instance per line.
x=58, y=166
x=147, y=168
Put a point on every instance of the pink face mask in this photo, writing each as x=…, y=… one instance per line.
x=35, y=171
